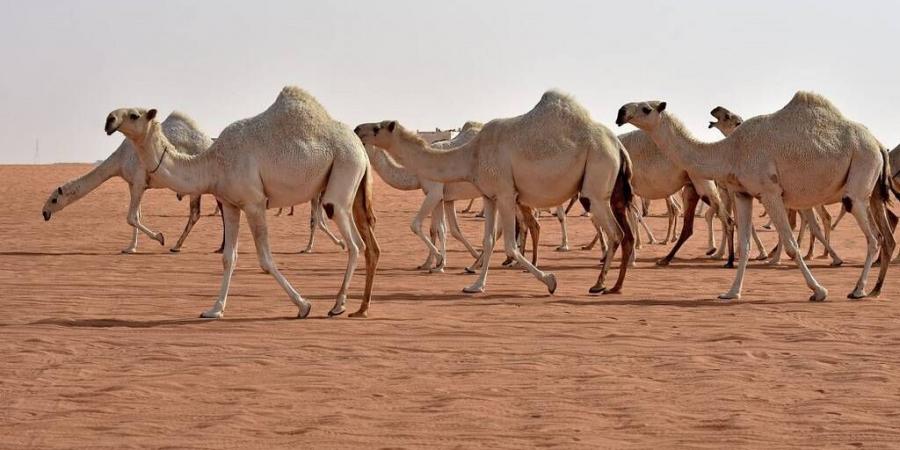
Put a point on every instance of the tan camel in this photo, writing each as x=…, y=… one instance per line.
x=802, y=156
x=284, y=156
x=124, y=163
x=726, y=122
x=539, y=160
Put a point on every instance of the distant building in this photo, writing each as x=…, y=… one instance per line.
x=436, y=135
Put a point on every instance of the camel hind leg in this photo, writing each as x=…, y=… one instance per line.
x=690, y=204
x=193, y=217
x=507, y=207
x=816, y=233
x=453, y=225
x=136, y=191
x=779, y=215
x=365, y=223
x=561, y=216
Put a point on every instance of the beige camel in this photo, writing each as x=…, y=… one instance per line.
x=539, y=160
x=726, y=122
x=802, y=156
x=124, y=163
x=284, y=156
x=656, y=176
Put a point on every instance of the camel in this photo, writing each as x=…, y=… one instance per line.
x=539, y=160
x=124, y=163
x=804, y=155
x=287, y=155
x=726, y=122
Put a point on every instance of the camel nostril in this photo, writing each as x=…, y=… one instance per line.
x=46, y=215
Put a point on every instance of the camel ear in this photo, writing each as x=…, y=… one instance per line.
x=391, y=125
x=151, y=114
x=661, y=107
x=727, y=116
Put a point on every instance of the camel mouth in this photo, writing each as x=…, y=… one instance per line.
x=621, y=117
x=713, y=124
x=110, y=132
x=46, y=215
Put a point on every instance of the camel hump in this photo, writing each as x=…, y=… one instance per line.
x=469, y=125
x=555, y=100
x=297, y=101
x=812, y=99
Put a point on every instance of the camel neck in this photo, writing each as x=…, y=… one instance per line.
x=393, y=174
x=712, y=161
x=111, y=167
x=445, y=166
x=172, y=168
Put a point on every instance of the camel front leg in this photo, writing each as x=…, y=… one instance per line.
x=743, y=206
x=711, y=233
x=256, y=219
x=507, y=209
x=132, y=247
x=825, y=216
x=453, y=223
x=487, y=247
x=779, y=215
x=468, y=207
x=439, y=236
x=193, y=217
x=561, y=216
x=432, y=199
x=134, y=215
x=231, y=217
x=859, y=208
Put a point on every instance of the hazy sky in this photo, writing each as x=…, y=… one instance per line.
x=68, y=63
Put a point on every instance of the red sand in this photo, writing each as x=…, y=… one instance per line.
x=101, y=349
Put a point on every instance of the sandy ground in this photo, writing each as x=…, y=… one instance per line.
x=100, y=349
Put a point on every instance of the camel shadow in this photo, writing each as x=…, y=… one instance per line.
x=679, y=303
x=123, y=323
x=23, y=253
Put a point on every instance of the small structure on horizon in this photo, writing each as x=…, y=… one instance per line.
x=437, y=135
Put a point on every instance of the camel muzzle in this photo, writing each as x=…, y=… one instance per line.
x=620, y=119
x=712, y=124
x=46, y=215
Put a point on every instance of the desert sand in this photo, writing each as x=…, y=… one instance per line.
x=101, y=349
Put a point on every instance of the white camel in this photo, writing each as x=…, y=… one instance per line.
x=726, y=122
x=183, y=132
x=804, y=155
x=539, y=160
x=287, y=155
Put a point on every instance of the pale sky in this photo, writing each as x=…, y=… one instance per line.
x=67, y=64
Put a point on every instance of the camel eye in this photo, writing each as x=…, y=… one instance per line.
x=647, y=110
x=134, y=116
x=53, y=201
x=375, y=130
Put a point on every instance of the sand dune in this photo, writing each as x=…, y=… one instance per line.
x=100, y=349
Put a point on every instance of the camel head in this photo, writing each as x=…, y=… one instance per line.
x=644, y=115
x=61, y=197
x=132, y=122
x=726, y=121
x=381, y=134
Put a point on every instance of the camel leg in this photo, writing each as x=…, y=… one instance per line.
x=432, y=199
x=885, y=227
x=132, y=247
x=231, y=216
x=453, y=224
x=612, y=219
x=134, y=208
x=507, y=208
x=534, y=227
x=313, y=224
x=779, y=215
x=561, y=216
x=743, y=206
x=291, y=213
x=590, y=245
x=816, y=232
x=278, y=213
x=487, y=247
x=859, y=208
x=193, y=217
x=316, y=205
x=364, y=224
x=672, y=221
x=822, y=211
x=711, y=233
x=439, y=236
x=468, y=207
x=256, y=219
x=761, y=249
x=344, y=220
x=222, y=245
x=646, y=228
x=839, y=217
x=631, y=215
x=690, y=204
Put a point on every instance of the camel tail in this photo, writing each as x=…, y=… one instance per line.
x=623, y=188
x=364, y=195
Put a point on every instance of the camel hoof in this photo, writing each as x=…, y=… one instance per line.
x=550, y=281
x=587, y=247
x=306, y=251
x=728, y=265
x=219, y=251
x=212, y=314
x=469, y=270
x=359, y=314
x=304, y=310
x=762, y=257
x=473, y=290
x=597, y=289
x=436, y=270
x=837, y=263
x=852, y=296
x=729, y=296
x=333, y=313
x=711, y=251
x=161, y=239
x=563, y=248
x=175, y=250
x=663, y=262
x=875, y=293
x=129, y=251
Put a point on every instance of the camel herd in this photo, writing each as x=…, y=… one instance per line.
x=794, y=161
